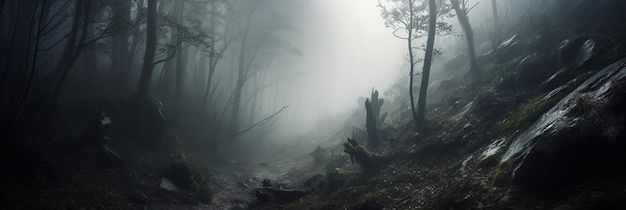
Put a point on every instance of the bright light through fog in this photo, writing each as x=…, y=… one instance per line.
x=347, y=50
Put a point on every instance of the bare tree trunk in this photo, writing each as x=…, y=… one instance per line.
x=178, y=11
x=148, y=61
x=428, y=58
x=411, y=63
x=90, y=61
x=461, y=14
x=136, y=35
x=201, y=73
x=214, y=58
x=370, y=125
x=241, y=75
x=496, y=23
x=72, y=49
x=120, y=53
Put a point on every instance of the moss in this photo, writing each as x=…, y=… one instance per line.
x=483, y=101
x=376, y=200
x=487, y=161
x=530, y=112
x=487, y=104
x=502, y=174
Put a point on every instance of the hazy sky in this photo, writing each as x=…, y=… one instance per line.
x=351, y=49
x=347, y=50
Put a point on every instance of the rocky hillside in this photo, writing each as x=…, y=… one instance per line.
x=543, y=127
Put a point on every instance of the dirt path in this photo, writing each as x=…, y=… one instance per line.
x=233, y=182
x=232, y=187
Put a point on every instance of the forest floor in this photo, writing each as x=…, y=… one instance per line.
x=436, y=168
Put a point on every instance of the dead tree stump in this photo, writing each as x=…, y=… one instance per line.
x=376, y=104
x=370, y=123
x=360, y=155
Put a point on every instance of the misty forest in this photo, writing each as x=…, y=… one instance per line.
x=313, y=104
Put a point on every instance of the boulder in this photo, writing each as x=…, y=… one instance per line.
x=168, y=185
x=577, y=139
x=575, y=53
x=586, y=51
x=148, y=121
x=180, y=173
x=533, y=69
x=506, y=51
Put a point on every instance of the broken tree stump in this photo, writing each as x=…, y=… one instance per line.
x=368, y=160
x=370, y=124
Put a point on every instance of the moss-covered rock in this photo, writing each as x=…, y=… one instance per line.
x=529, y=112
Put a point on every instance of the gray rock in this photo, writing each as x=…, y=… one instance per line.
x=506, y=51
x=584, y=54
x=575, y=53
x=168, y=185
x=533, y=69
x=577, y=138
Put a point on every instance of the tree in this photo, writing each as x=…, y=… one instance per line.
x=461, y=8
x=242, y=73
x=19, y=56
x=120, y=55
x=214, y=53
x=496, y=33
x=73, y=45
x=373, y=119
x=406, y=16
x=370, y=124
x=410, y=21
x=148, y=60
x=179, y=8
x=428, y=58
x=258, y=46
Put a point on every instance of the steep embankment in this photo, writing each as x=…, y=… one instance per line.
x=543, y=127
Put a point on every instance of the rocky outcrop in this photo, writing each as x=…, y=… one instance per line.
x=505, y=51
x=576, y=140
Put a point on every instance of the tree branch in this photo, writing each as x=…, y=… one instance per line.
x=259, y=123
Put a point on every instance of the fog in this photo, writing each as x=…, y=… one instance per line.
x=222, y=70
x=347, y=51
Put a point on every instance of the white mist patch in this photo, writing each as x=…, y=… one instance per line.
x=346, y=51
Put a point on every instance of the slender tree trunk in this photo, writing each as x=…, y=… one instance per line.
x=411, y=63
x=120, y=68
x=213, y=59
x=428, y=58
x=496, y=23
x=70, y=52
x=461, y=14
x=201, y=71
x=148, y=61
x=494, y=10
x=179, y=8
x=136, y=35
x=90, y=62
x=241, y=76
